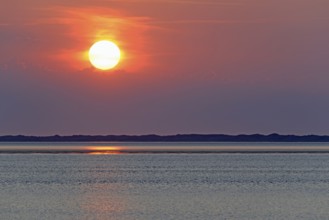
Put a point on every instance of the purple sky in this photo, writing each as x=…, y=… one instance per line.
x=188, y=66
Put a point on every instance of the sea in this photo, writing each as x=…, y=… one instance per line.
x=132, y=181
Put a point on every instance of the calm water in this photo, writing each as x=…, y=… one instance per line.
x=164, y=186
x=133, y=147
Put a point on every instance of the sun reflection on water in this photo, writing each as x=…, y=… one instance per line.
x=96, y=150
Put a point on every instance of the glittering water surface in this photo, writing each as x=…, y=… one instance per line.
x=164, y=186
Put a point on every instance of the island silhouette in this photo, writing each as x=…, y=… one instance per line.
x=169, y=138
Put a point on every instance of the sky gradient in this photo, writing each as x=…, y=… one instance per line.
x=188, y=66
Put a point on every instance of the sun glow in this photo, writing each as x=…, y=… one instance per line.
x=104, y=55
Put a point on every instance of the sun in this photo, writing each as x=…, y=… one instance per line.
x=104, y=55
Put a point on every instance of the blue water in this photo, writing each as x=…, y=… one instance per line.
x=164, y=186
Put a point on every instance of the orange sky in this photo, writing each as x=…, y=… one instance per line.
x=187, y=66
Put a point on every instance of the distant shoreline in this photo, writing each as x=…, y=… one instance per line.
x=168, y=138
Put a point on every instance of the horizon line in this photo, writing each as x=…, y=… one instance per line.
x=163, y=135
